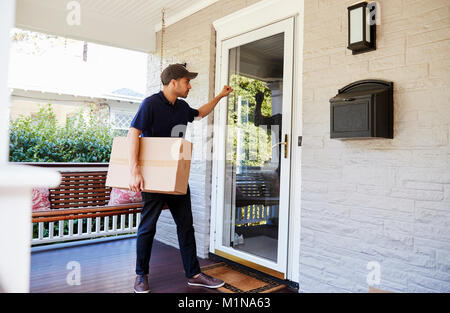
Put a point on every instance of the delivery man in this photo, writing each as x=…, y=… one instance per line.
x=164, y=115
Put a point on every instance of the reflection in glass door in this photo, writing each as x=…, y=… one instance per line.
x=253, y=222
x=253, y=153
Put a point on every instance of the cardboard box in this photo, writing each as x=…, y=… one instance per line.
x=165, y=164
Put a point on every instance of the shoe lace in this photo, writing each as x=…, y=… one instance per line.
x=207, y=276
x=141, y=279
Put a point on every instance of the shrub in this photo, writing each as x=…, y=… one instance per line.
x=84, y=138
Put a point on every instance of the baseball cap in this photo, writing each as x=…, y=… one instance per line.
x=175, y=71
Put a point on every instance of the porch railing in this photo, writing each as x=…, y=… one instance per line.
x=257, y=195
x=255, y=214
x=83, y=228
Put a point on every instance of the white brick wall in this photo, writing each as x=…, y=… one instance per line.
x=192, y=40
x=378, y=200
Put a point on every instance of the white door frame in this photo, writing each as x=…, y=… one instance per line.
x=253, y=17
x=286, y=27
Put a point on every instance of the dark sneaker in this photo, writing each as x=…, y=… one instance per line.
x=204, y=280
x=141, y=284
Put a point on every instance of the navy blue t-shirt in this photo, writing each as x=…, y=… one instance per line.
x=157, y=117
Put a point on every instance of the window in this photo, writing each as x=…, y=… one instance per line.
x=121, y=119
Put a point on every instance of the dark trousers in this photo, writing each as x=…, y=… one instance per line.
x=180, y=208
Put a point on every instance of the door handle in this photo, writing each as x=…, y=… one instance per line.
x=286, y=145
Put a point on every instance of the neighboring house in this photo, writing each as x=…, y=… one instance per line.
x=332, y=215
x=121, y=105
x=128, y=93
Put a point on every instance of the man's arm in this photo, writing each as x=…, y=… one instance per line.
x=208, y=107
x=136, y=180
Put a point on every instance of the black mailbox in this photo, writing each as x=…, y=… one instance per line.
x=363, y=109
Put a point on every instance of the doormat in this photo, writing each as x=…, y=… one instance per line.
x=240, y=280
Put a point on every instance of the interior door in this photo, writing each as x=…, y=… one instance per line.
x=255, y=140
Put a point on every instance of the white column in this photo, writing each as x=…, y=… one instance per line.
x=16, y=182
x=7, y=13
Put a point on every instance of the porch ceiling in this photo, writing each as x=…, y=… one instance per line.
x=129, y=24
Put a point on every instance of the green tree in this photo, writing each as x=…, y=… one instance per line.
x=256, y=141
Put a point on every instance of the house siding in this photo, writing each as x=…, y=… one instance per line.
x=192, y=40
x=377, y=200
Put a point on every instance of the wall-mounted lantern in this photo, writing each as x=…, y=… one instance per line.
x=362, y=27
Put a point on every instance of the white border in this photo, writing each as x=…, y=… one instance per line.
x=286, y=27
x=258, y=15
x=296, y=157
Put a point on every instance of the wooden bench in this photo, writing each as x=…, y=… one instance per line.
x=82, y=195
x=256, y=188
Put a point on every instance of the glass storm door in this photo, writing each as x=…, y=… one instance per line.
x=254, y=174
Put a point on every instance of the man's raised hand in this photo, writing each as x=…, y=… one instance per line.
x=225, y=91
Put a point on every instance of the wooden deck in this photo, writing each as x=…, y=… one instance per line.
x=109, y=267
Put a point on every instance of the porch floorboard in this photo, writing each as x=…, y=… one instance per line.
x=109, y=267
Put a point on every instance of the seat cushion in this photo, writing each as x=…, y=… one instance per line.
x=40, y=201
x=123, y=196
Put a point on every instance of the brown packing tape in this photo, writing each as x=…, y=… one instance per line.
x=155, y=163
